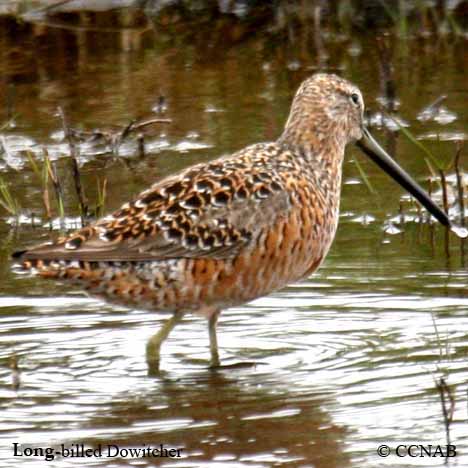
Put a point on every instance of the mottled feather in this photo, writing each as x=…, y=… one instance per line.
x=207, y=211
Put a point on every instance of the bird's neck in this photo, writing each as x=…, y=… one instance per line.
x=320, y=150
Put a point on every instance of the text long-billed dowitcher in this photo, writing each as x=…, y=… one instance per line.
x=225, y=232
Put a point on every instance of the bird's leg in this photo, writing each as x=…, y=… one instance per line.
x=153, y=347
x=213, y=339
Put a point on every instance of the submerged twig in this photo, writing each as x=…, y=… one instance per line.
x=76, y=171
x=126, y=131
x=160, y=106
x=448, y=405
x=132, y=126
x=15, y=372
x=461, y=195
x=45, y=187
x=443, y=182
x=431, y=110
x=439, y=341
x=401, y=212
x=429, y=220
x=115, y=138
x=51, y=169
x=149, y=122
x=141, y=145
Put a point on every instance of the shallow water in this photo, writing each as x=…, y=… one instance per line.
x=320, y=374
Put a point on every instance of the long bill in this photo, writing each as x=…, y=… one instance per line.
x=375, y=152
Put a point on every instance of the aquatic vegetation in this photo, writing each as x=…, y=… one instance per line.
x=7, y=200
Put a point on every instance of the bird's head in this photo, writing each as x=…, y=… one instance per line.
x=327, y=114
x=326, y=110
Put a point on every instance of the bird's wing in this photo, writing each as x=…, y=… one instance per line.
x=209, y=210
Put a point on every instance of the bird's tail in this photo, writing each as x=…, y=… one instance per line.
x=128, y=283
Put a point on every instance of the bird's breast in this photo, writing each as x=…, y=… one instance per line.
x=289, y=250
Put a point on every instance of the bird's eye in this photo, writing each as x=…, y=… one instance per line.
x=355, y=99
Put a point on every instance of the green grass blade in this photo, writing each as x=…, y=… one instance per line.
x=364, y=177
x=417, y=143
x=7, y=200
x=34, y=165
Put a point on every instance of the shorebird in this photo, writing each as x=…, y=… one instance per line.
x=222, y=233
